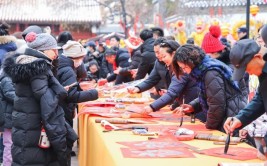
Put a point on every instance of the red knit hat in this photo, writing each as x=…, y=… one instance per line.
x=211, y=42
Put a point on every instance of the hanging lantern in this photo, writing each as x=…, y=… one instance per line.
x=254, y=10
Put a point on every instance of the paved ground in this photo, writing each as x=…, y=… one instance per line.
x=74, y=159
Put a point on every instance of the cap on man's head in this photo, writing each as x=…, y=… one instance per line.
x=91, y=44
x=41, y=42
x=110, y=52
x=241, y=54
x=242, y=29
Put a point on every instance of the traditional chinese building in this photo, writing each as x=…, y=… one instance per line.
x=190, y=10
x=76, y=16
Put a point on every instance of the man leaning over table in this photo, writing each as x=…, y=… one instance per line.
x=250, y=60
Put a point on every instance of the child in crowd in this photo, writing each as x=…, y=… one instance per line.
x=93, y=72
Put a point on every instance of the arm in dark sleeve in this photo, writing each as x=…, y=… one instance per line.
x=136, y=59
x=151, y=81
x=196, y=105
x=52, y=116
x=215, y=91
x=112, y=77
x=175, y=90
x=143, y=67
x=75, y=95
x=125, y=71
x=252, y=111
x=8, y=89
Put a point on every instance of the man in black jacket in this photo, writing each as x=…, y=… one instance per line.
x=118, y=59
x=105, y=68
x=157, y=32
x=72, y=58
x=147, y=53
x=247, y=55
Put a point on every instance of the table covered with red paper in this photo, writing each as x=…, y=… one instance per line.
x=120, y=148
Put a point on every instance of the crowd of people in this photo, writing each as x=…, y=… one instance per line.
x=41, y=81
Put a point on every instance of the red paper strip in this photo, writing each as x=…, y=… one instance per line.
x=99, y=104
x=155, y=144
x=236, y=153
x=171, y=118
x=157, y=153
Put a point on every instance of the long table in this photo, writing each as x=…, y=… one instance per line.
x=97, y=148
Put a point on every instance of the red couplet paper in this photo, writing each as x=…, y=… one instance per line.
x=236, y=153
x=170, y=117
x=155, y=144
x=157, y=153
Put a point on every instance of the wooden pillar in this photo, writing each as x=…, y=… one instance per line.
x=17, y=27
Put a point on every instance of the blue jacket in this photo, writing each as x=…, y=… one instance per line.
x=179, y=88
x=7, y=44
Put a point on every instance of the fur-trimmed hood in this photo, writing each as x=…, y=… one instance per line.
x=24, y=72
x=7, y=39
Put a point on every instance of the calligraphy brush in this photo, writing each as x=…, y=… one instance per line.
x=182, y=118
x=227, y=141
x=127, y=128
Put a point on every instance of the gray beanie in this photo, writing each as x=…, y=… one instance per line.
x=41, y=42
x=73, y=49
x=33, y=28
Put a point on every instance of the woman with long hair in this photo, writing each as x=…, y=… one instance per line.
x=219, y=97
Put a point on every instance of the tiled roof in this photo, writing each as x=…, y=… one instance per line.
x=63, y=11
x=214, y=3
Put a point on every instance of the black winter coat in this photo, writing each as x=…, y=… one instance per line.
x=122, y=60
x=223, y=101
x=182, y=89
x=7, y=96
x=135, y=61
x=38, y=94
x=158, y=77
x=105, y=68
x=148, y=59
x=67, y=75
